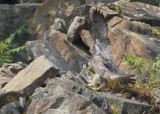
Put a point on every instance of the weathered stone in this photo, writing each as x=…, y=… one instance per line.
x=11, y=108
x=102, y=9
x=30, y=1
x=41, y=22
x=13, y=102
x=59, y=24
x=87, y=39
x=131, y=37
x=62, y=101
x=102, y=1
x=66, y=96
x=39, y=48
x=32, y=77
x=71, y=54
x=140, y=11
x=8, y=71
x=77, y=25
x=14, y=16
x=153, y=2
x=114, y=21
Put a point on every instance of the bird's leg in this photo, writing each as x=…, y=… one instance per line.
x=95, y=81
x=94, y=87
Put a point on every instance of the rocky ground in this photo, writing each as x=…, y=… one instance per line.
x=70, y=45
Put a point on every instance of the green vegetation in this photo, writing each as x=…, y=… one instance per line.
x=6, y=49
x=116, y=109
x=117, y=9
x=155, y=32
x=150, y=69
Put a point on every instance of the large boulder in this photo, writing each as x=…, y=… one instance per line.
x=153, y=2
x=32, y=77
x=140, y=11
x=69, y=52
x=131, y=37
x=38, y=48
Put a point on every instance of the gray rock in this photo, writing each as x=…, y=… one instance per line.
x=30, y=1
x=32, y=77
x=38, y=48
x=87, y=39
x=141, y=12
x=59, y=24
x=102, y=1
x=14, y=16
x=11, y=108
x=153, y=2
x=74, y=56
x=61, y=101
x=8, y=71
x=78, y=24
x=67, y=97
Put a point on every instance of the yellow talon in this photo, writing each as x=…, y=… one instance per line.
x=94, y=87
x=90, y=85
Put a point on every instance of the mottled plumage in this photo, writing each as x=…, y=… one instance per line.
x=102, y=62
x=99, y=33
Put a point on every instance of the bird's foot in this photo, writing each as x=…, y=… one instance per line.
x=94, y=87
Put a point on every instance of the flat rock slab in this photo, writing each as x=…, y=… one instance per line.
x=150, y=2
x=38, y=48
x=140, y=11
x=8, y=71
x=32, y=77
x=69, y=52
